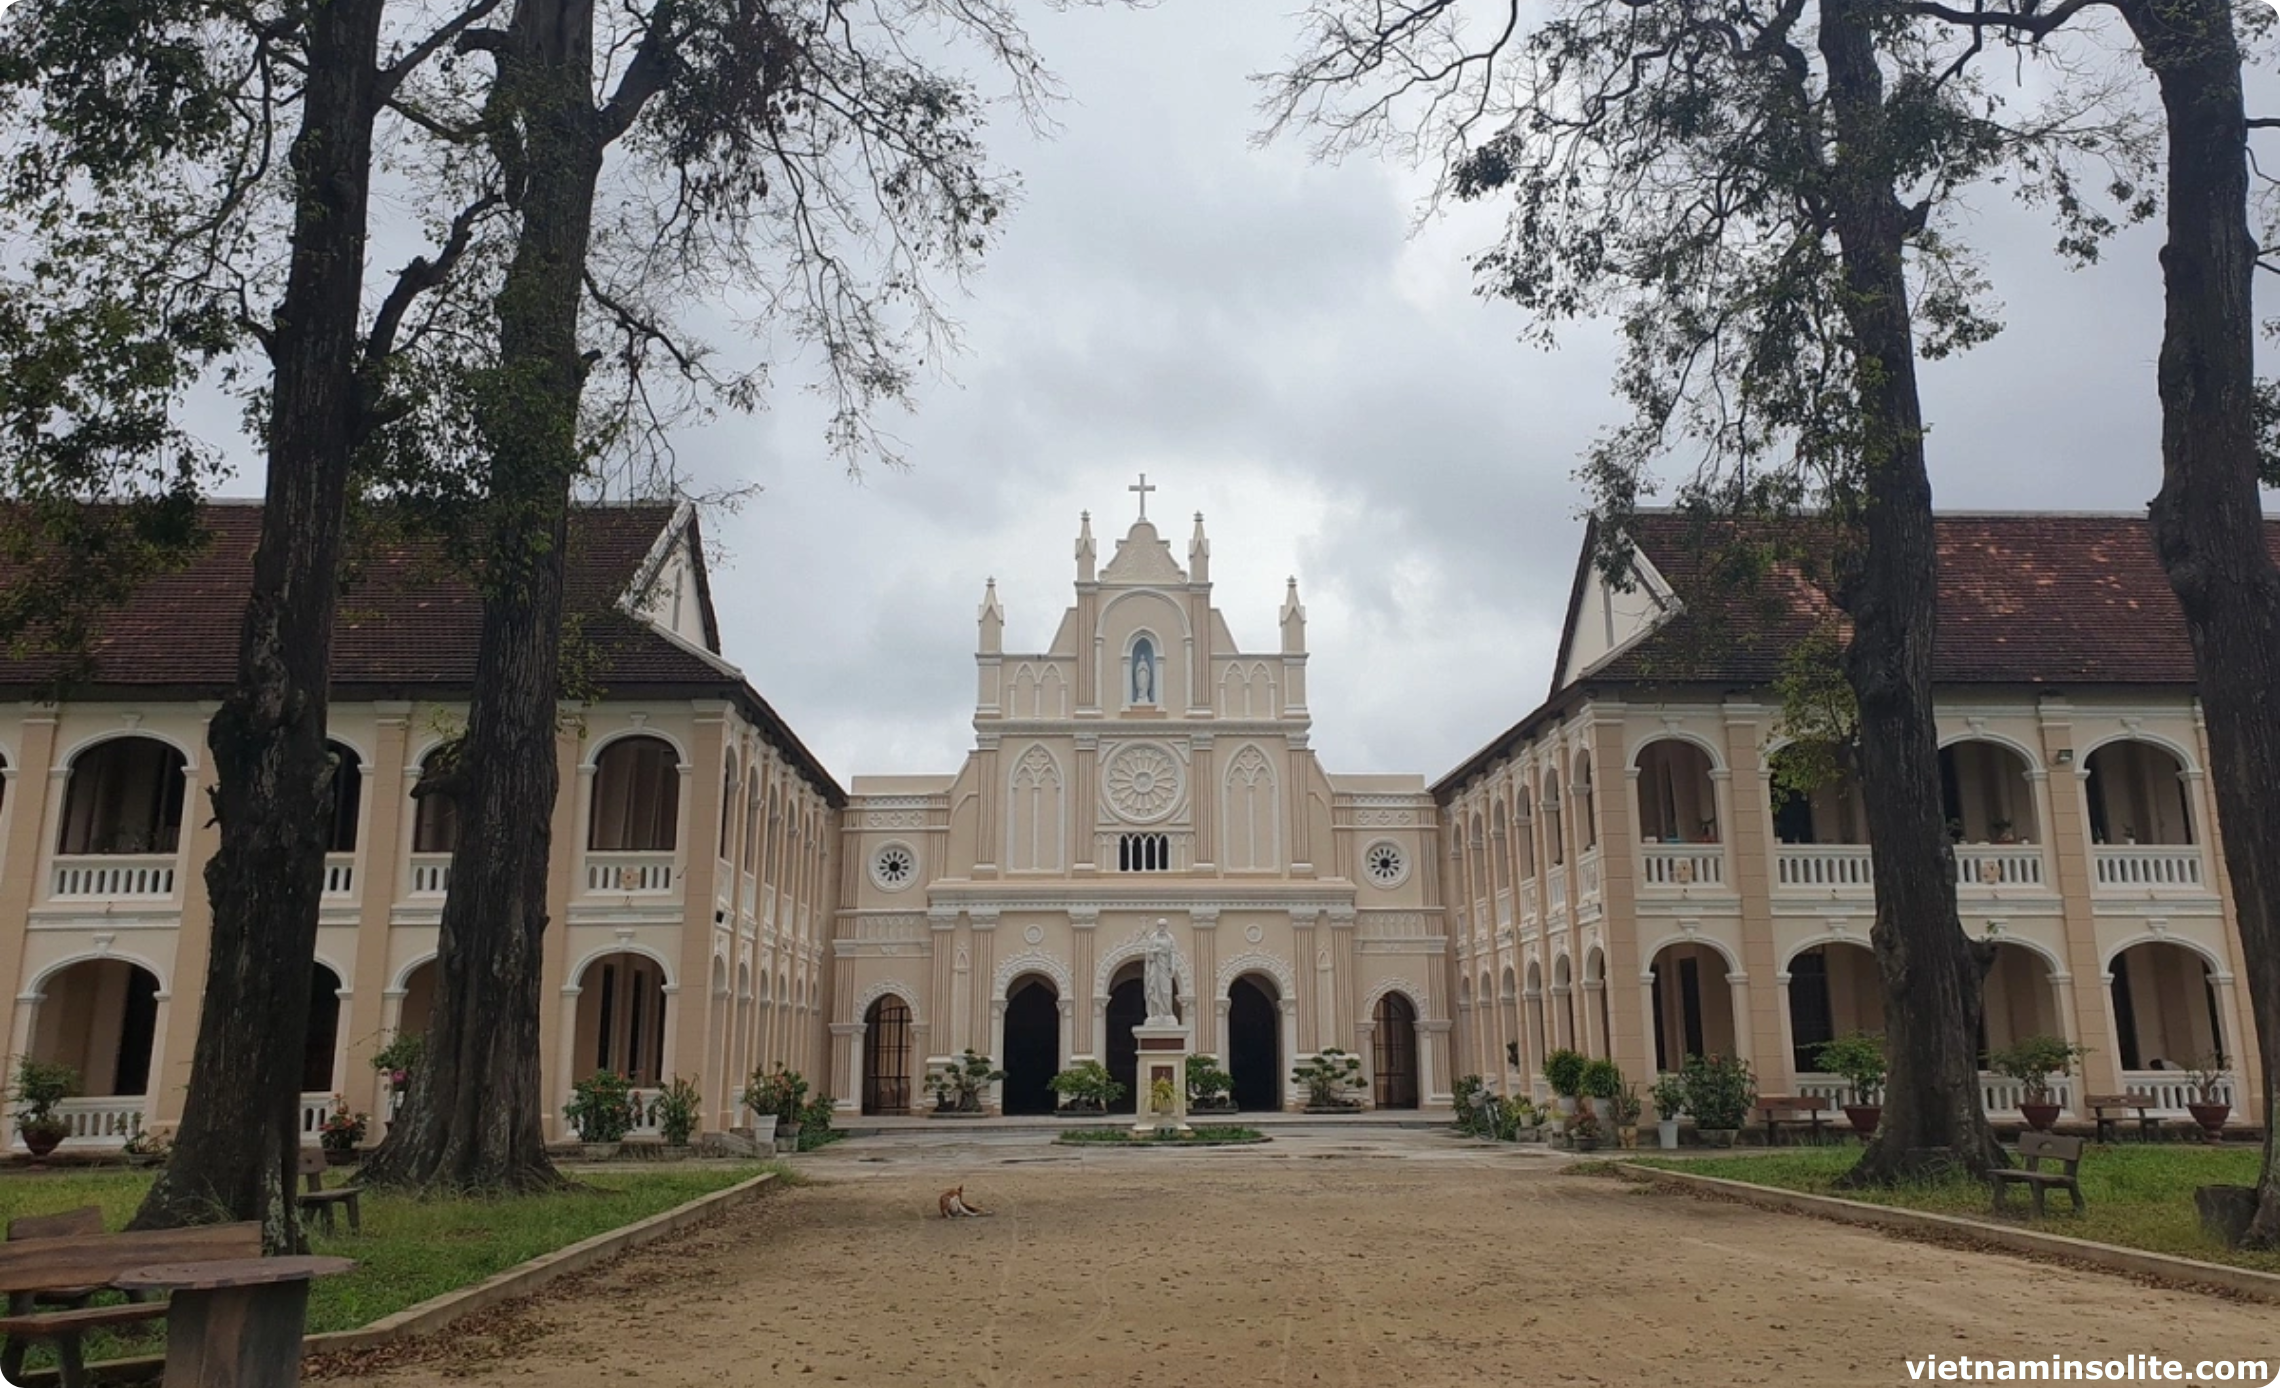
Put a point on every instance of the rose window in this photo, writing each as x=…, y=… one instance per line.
x=894, y=867
x=1143, y=783
x=1385, y=864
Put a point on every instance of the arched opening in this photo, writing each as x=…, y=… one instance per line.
x=1563, y=1004
x=100, y=1017
x=1254, y=1043
x=2137, y=795
x=435, y=818
x=2020, y=999
x=1498, y=851
x=2165, y=1008
x=1985, y=794
x=1508, y=1001
x=1834, y=991
x=1830, y=812
x=1693, y=1004
x=1586, y=805
x=347, y=797
x=1539, y=1039
x=1032, y=1044
x=1678, y=801
x=886, y=1056
x=728, y=811
x=1523, y=836
x=636, y=798
x=1128, y=1008
x=124, y=797
x=1393, y=1052
x=323, y=1034
x=1595, y=999
x=621, y=1019
x=1555, y=841
x=418, y=1006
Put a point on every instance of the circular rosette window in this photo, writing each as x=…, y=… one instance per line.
x=1385, y=864
x=1143, y=783
x=894, y=867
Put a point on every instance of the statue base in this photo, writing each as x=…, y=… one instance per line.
x=1163, y=1056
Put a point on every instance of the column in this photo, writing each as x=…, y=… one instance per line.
x=983, y=927
x=1342, y=981
x=1633, y=1044
x=699, y=840
x=1305, y=983
x=1746, y=817
x=1433, y=1077
x=1084, y=849
x=1203, y=801
x=989, y=828
x=381, y=853
x=846, y=1052
x=2247, y=1063
x=572, y=784
x=31, y=786
x=177, y=1034
x=2066, y=831
x=1210, y=1021
x=1089, y=1042
x=941, y=1001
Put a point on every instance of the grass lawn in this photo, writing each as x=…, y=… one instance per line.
x=410, y=1250
x=2140, y=1194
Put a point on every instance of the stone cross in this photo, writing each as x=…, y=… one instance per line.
x=1143, y=489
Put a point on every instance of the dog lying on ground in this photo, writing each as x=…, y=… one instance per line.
x=954, y=1206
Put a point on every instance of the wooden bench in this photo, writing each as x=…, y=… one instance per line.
x=1791, y=1110
x=2033, y=1148
x=2149, y=1127
x=73, y=1265
x=321, y=1201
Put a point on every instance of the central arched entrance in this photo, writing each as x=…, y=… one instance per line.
x=1254, y=1044
x=1032, y=1045
x=886, y=1056
x=1127, y=1008
x=1393, y=1051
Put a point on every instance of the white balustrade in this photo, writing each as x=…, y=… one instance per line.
x=340, y=875
x=2150, y=868
x=1997, y=866
x=431, y=874
x=115, y=876
x=643, y=1104
x=1555, y=889
x=1671, y=866
x=100, y=1122
x=1587, y=878
x=630, y=874
x=315, y=1109
x=2002, y=1094
x=1504, y=909
x=2172, y=1090
x=1813, y=1085
x=1836, y=868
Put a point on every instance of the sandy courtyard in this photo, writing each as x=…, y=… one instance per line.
x=1400, y=1259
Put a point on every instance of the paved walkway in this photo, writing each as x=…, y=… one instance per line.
x=1364, y=1258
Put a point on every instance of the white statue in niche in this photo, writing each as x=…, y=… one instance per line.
x=1157, y=982
x=1144, y=672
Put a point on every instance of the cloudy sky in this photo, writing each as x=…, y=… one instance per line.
x=1272, y=344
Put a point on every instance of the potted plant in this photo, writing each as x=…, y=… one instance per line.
x=1600, y=1083
x=1087, y=1087
x=1858, y=1059
x=2032, y=1061
x=1210, y=1088
x=1583, y=1130
x=1563, y=1071
x=2000, y=829
x=1719, y=1092
x=763, y=1102
x=1468, y=1102
x=342, y=1133
x=148, y=1147
x=957, y=1085
x=397, y=1060
x=1628, y=1107
x=1669, y=1095
x=1513, y=1116
x=2207, y=1108
x=1329, y=1079
x=601, y=1110
x=782, y=1092
x=678, y=1107
x=40, y=1086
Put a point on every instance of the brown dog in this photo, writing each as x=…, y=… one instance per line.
x=954, y=1206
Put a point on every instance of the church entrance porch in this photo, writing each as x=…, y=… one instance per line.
x=1032, y=1045
x=1254, y=1044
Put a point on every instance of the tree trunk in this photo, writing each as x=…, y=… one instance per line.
x=2208, y=522
x=235, y=1153
x=472, y=1118
x=1932, y=973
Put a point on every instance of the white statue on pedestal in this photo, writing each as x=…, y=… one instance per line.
x=1159, y=984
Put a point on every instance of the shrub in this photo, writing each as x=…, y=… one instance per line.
x=958, y=1085
x=1507, y=1117
x=601, y=1107
x=1719, y=1090
x=677, y=1109
x=1601, y=1079
x=815, y=1123
x=781, y=1092
x=1469, y=1101
x=1563, y=1070
x=2032, y=1060
x=1669, y=1095
x=1088, y=1082
x=342, y=1130
x=1206, y=1082
x=1328, y=1078
x=40, y=1086
x=1859, y=1059
x=1626, y=1106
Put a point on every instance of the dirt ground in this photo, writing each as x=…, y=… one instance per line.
x=1409, y=1259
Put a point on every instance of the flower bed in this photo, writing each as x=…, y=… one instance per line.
x=1198, y=1137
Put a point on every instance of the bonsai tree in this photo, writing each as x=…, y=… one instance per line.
x=1601, y=1079
x=2204, y=1075
x=1328, y=1078
x=1563, y=1071
x=957, y=1086
x=677, y=1110
x=1669, y=1094
x=1719, y=1091
x=601, y=1107
x=780, y=1092
x=1857, y=1059
x=1207, y=1084
x=1088, y=1085
x=2032, y=1061
x=40, y=1086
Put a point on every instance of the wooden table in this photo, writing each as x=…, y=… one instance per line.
x=235, y=1323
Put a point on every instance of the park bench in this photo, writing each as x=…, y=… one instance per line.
x=1791, y=1110
x=2104, y=1112
x=2033, y=1149
x=71, y=1266
x=316, y=1199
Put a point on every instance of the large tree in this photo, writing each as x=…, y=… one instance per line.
x=152, y=146
x=1757, y=189
x=799, y=151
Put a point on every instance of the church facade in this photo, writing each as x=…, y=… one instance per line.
x=1142, y=766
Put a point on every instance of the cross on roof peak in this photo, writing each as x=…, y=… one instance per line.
x=1143, y=489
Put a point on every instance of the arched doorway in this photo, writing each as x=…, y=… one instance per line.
x=1693, y=1005
x=621, y=1019
x=1127, y=1008
x=1393, y=1052
x=100, y=1017
x=1254, y=1043
x=1032, y=1045
x=1834, y=990
x=886, y=1056
x=323, y=1033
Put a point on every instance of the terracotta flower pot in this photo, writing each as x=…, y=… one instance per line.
x=41, y=1141
x=1864, y=1118
x=2212, y=1118
x=2039, y=1116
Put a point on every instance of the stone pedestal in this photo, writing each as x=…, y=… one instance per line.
x=1163, y=1055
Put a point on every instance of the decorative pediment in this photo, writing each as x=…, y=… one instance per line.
x=1143, y=557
